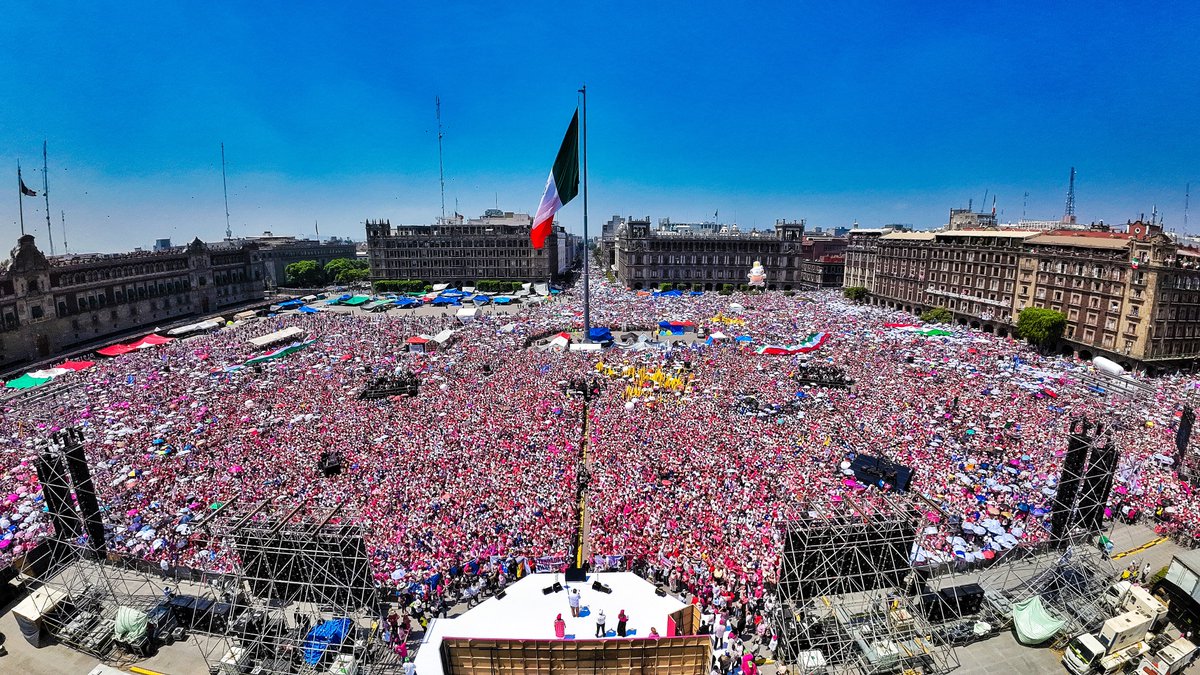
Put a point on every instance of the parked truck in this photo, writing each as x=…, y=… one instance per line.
x=1124, y=596
x=1121, y=639
x=1169, y=660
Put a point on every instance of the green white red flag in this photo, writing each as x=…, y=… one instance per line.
x=561, y=186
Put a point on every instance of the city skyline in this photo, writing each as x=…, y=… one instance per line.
x=862, y=112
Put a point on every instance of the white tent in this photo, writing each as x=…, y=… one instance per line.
x=562, y=341
x=196, y=327
x=467, y=314
x=443, y=337
x=289, y=333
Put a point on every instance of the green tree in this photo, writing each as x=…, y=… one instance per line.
x=336, y=267
x=937, y=315
x=856, y=293
x=307, y=273
x=350, y=276
x=1041, y=327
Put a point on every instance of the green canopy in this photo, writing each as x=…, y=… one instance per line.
x=357, y=300
x=130, y=625
x=26, y=381
x=934, y=332
x=278, y=353
x=1034, y=625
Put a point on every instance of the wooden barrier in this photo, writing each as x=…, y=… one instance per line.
x=638, y=656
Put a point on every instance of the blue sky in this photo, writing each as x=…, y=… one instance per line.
x=833, y=112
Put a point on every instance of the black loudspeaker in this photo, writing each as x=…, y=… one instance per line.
x=871, y=470
x=547, y=590
x=1097, y=484
x=1186, y=421
x=55, y=487
x=660, y=592
x=1071, y=479
x=960, y=601
x=501, y=594
x=576, y=574
x=85, y=491
x=599, y=587
x=557, y=587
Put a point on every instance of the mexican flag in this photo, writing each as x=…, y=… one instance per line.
x=809, y=344
x=561, y=186
x=278, y=353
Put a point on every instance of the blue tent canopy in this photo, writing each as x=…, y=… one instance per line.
x=408, y=302
x=502, y=300
x=668, y=294
x=481, y=299
x=320, y=638
x=743, y=338
x=291, y=303
x=697, y=293
x=305, y=309
x=600, y=334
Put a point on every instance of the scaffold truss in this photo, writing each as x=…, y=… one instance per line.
x=848, y=592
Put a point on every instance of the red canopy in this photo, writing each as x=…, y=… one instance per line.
x=76, y=365
x=150, y=340
x=115, y=350
x=416, y=340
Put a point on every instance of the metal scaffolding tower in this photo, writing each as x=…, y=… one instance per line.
x=848, y=592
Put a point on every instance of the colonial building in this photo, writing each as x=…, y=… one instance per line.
x=1133, y=296
x=708, y=257
x=828, y=272
x=862, y=251
x=461, y=251
x=50, y=305
x=969, y=272
x=278, y=252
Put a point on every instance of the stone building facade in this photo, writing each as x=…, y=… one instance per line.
x=461, y=251
x=51, y=305
x=1133, y=296
x=278, y=252
x=646, y=258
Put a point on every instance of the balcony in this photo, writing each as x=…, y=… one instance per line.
x=970, y=298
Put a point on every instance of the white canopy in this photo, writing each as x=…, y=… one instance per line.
x=289, y=333
x=195, y=327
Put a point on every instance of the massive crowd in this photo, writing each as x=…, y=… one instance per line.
x=687, y=484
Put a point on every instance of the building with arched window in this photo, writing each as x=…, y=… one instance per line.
x=50, y=305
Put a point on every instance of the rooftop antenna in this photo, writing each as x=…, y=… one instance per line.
x=437, y=102
x=46, y=194
x=225, y=189
x=1069, y=212
x=1187, y=195
x=1024, y=206
x=984, y=202
x=66, y=249
x=317, y=227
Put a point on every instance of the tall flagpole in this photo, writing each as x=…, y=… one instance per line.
x=46, y=194
x=587, y=291
x=21, y=197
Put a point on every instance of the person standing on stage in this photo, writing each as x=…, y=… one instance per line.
x=621, y=619
x=573, y=601
x=600, y=619
x=560, y=627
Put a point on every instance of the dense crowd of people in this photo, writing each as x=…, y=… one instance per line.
x=475, y=478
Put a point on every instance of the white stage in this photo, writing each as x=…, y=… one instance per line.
x=525, y=612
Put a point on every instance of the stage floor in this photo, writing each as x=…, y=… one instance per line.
x=526, y=613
